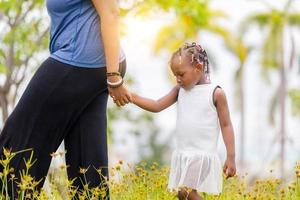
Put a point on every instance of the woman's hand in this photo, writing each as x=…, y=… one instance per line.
x=120, y=95
x=229, y=168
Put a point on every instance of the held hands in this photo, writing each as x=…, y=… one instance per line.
x=229, y=168
x=119, y=93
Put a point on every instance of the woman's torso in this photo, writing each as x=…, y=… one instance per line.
x=197, y=125
x=75, y=36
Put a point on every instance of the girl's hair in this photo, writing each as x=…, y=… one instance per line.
x=195, y=53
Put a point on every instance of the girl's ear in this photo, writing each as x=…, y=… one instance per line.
x=199, y=66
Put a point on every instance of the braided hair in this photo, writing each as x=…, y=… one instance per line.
x=195, y=53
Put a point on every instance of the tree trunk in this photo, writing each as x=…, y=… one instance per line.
x=242, y=126
x=282, y=99
x=4, y=107
x=282, y=120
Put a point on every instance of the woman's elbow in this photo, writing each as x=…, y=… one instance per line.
x=111, y=14
x=115, y=13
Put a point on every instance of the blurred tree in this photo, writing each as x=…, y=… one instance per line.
x=141, y=125
x=239, y=49
x=154, y=149
x=190, y=17
x=23, y=35
x=276, y=22
x=295, y=96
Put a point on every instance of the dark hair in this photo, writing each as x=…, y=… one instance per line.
x=195, y=53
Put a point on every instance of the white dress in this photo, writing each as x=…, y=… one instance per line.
x=195, y=163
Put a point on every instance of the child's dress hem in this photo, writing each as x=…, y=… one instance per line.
x=197, y=170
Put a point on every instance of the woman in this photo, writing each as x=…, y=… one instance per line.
x=67, y=97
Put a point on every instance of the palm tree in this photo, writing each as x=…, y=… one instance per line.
x=241, y=52
x=190, y=17
x=295, y=96
x=276, y=22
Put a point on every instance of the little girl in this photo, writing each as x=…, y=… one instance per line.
x=202, y=110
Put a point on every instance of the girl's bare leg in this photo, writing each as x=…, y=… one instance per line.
x=183, y=194
x=193, y=195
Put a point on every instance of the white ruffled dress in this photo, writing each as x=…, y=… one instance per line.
x=195, y=163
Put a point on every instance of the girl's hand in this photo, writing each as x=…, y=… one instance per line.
x=229, y=168
x=120, y=95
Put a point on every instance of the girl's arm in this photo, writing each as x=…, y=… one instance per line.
x=156, y=105
x=227, y=131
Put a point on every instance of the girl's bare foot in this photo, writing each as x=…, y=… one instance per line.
x=193, y=195
x=187, y=194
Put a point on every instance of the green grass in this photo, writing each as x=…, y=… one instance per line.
x=142, y=182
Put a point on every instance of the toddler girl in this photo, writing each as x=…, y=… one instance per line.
x=202, y=111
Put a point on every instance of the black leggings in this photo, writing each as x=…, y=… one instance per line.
x=61, y=102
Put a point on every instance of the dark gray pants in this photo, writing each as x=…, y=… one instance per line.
x=61, y=102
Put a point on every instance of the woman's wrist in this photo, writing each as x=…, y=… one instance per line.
x=114, y=81
x=113, y=78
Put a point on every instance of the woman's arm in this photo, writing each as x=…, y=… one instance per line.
x=109, y=16
x=227, y=131
x=156, y=105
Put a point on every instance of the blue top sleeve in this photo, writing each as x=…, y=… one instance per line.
x=75, y=33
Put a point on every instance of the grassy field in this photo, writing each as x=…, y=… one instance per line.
x=142, y=182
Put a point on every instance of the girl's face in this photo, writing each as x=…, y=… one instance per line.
x=187, y=75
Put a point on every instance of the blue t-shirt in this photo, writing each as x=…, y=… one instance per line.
x=75, y=35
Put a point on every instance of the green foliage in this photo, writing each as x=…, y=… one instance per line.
x=128, y=182
x=274, y=22
x=190, y=17
x=294, y=20
x=140, y=182
x=140, y=123
x=24, y=33
x=295, y=96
